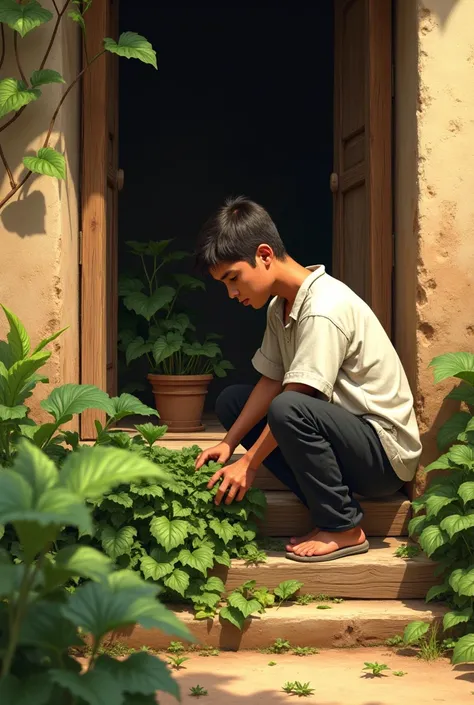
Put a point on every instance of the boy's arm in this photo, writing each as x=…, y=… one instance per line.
x=255, y=409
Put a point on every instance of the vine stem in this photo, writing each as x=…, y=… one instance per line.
x=17, y=57
x=21, y=183
x=17, y=618
x=2, y=35
x=7, y=168
x=60, y=14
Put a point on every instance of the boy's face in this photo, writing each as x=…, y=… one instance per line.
x=251, y=286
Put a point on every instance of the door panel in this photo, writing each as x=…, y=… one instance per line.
x=361, y=183
x=100, y=184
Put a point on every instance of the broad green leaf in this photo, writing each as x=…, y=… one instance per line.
x=154, y=570
x=416, y=525
x=436, y=591
x=151, y=432
x=92, y=472
x=97, y=687
x=45, y=627
x=466, y=492
x=232, y=615
x=239, y=602
x=147, y=490
x=71, y=399
x=464, y=583
x=220, y=369
x=128, y=405
x=223, y=558
x=451, y=619
x=16, y=494
x=464, y=650
x=76, y=16
x=169, y=534
x=210, y=599
x=179, y=322
x=121, y=498
x=23, y=18
x=48, y=162
x=223, y=529
x=178, y=581
x=12, y=413
x=460, y=364
x=441, y=498
x=18, y=338
x=136, y=348
x=147, y=306
x=154, y=248
x=100, y=608
x=117, y=543
x=462, y=393
x=45, y=76
x=14, y=390
x=49, y=340
x=287, y=589
x=450, y=430
x=432, y=538
x=188, y=282
x=414, y=631
x=143, y=512
x=129, y=285
x=462, y=455
x=35, y=689
x=77, y=561
x=206, y=350
x=166, y=346
x=455, y=523
x=202, y=559
x=132, y=46
x=214, y=584
x=441, y=463
x=179, y=510
x=6, y=355
x=140, y=673
x=14, y=95
x=36, y=468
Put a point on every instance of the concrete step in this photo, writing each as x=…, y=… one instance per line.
x=378, y=574
x=287, y=516
x=347, y=624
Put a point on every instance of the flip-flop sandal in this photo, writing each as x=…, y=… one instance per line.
x=340, y=553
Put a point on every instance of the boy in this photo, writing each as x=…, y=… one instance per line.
x=332, y=414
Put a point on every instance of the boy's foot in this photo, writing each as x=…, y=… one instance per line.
x=300, y=539
x=321, y=543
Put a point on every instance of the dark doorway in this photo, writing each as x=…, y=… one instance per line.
x=242, y=103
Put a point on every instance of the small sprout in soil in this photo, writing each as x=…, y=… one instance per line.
x=376, y=668
x=279, y=646
x=177, y=661
x=176, y=647
x=272, y=663
x=197, y=691
x=337, y=600
x=305, y=651
x=305, y=599
x=396, y=640
x=254, y=556
x=323, y=607
x=407, y=551
x=209, y=651
x=303, y=690
x=399, y=673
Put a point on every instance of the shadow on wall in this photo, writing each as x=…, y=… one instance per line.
x=13, y=216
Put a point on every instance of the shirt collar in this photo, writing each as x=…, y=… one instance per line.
x=317, y=270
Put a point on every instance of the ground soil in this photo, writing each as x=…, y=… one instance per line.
x=245, y=678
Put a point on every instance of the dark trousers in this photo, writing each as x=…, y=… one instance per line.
x=324, y=454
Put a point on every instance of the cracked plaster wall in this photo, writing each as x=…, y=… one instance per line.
x=434, y=204
x=39, y=227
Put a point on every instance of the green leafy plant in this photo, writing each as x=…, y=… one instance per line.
x=396, y=640
x=177, y=661
x=302, y=690
x=197, y=691
x=176, y=647
x=444, y=523
x=323, y=607
x=254, y=556
x=20, y=372
x=158, y=329
x=287, y=590
x=305, y=651
x=279, y=646
x=407, y=551
x=209, y=651
x=399, y=673
x=39, y=620
x=272, y=663
x=376, y=669
x=17, y=92
x=426, y=638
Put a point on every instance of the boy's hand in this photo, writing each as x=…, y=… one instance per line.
x=237, y=478
x=220, y=453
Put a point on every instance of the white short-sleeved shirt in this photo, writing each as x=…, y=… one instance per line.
x=334, y=343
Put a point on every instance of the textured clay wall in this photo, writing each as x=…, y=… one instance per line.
x=39, y=227
x=434, y=204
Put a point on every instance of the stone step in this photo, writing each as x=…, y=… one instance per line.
x=378, y=574
x=347, y=624
x=287, y=516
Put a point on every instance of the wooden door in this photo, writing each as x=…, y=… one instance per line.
x=361, y=182
x=101, y=181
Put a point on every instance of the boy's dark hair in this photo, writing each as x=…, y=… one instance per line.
x=233, y=234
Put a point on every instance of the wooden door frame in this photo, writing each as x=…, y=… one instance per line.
x=93, y=257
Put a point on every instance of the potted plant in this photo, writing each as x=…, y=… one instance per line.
x=180, y=365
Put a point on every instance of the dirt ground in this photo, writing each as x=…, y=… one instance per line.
x=245, y=678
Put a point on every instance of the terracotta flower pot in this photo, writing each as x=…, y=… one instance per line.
x=179, y=400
